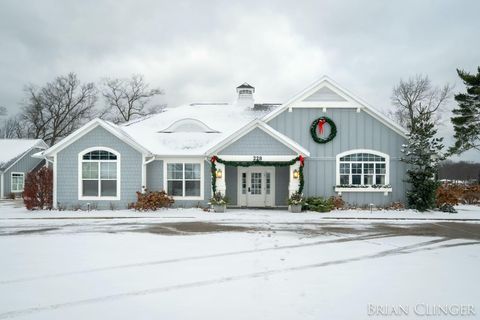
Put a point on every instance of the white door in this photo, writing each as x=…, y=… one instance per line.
x=256, y=186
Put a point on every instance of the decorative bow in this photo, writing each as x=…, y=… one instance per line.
x=320, y=125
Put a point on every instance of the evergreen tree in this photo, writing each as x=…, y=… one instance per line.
x=466, y=119
x=422, y=154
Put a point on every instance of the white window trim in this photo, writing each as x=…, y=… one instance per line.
x=11, y=181
x=364, y=189
x=185, y=160
x=80, y=161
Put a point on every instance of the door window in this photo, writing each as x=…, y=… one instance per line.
x=256, y=183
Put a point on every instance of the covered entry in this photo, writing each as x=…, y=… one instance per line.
x=257, y=167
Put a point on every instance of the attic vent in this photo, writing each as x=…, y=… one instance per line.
x=188, y=125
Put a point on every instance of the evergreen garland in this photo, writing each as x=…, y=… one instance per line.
x=313, y=130
x=215, y=159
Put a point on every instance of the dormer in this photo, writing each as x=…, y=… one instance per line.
x=245, y=95
x=188, y=125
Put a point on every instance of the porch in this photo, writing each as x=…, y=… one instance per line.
x=257, y=181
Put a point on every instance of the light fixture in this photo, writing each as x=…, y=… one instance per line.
x=219, y=174
x=296, y=174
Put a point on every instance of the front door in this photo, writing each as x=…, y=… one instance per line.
x=256, y=187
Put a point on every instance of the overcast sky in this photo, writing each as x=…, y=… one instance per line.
x=201, y=50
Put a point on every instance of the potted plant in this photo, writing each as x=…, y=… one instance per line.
x=295, y=202
x=219, y=202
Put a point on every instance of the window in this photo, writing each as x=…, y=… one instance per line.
x=99, y=172
x=362, y=168
x=244, y=183
x=184, y=179
x=268, y=182
x=17, y=182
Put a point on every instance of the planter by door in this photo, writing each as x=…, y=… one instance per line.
x=295, y=208
x=219, y=207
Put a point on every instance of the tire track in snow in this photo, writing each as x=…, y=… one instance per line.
x=184, y=259
x=400, y=250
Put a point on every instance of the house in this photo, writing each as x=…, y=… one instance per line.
x=324, y=141
x=16, y=161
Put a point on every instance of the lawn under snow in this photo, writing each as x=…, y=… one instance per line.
x=244, y=264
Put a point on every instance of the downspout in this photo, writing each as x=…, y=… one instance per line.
x=2, y=195
x=144, y=171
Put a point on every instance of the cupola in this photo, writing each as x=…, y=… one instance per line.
x=245, y=95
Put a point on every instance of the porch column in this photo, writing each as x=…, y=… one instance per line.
x=221, y=185
x=294, y=183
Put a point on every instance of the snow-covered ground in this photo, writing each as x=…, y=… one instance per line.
x=243, y=264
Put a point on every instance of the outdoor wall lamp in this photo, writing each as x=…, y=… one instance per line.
x=219, y=174
x=296, y=174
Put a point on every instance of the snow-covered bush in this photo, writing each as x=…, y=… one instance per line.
x=319, y=204
x=152, y=200
x=38, y=190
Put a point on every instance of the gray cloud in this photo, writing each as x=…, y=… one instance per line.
x=199, y=50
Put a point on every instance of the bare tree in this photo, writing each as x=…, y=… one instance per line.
x=58, y=108
x=127, y=99
x=12, y=128
x=417, y=98
x=3, y=111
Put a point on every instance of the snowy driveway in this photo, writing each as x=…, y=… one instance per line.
x=227, y=268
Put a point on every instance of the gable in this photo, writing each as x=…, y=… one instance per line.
x=338, y=98
x=324, y=94
x=257, y=142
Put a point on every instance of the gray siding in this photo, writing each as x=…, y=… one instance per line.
x=25, y=165
x=155, y=175
x=231, y=180
x=281, y=185
x=257, y=142
x=67, y=170
x=354, y=131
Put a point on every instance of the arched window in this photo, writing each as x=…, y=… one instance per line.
x=362, y=168
x=99, y=174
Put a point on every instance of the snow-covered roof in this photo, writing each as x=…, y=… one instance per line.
x=12, y=149
x=224, y=119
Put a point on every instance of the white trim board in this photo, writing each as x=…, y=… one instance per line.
x=354, y=102
x=77, y=134
x=289, y=143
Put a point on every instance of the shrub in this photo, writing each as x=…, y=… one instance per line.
x=454, y=194
x=152, y=200
x=38, y=191
x=319, y=204
x=447, y=194
x=11, y=196
x=337, y=202
x=218, y=199
x=296, y=198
